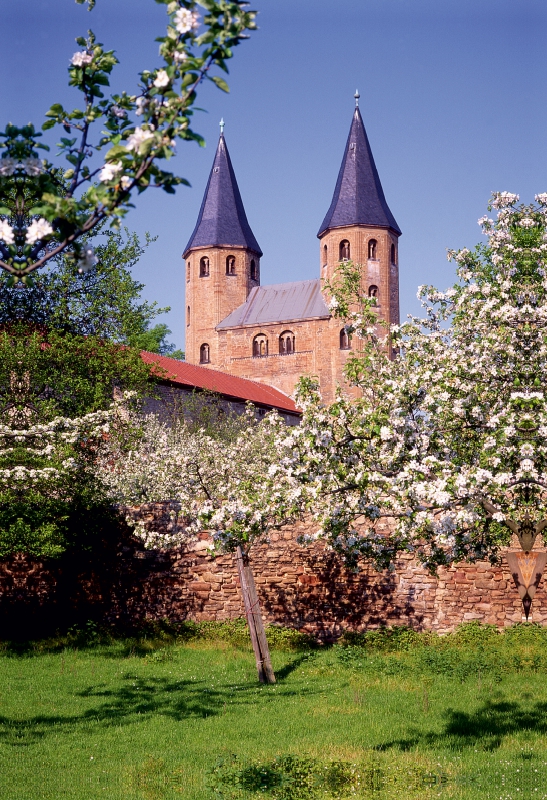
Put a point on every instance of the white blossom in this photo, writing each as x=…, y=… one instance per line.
x=186, y=20
x=138, y=138
x=162, y=79
x=109, y=171
x=6, y=232
x=38, y=229
x=81, y=59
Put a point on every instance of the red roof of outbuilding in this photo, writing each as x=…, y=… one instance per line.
x=192, y=376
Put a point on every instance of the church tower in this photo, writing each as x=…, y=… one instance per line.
x=359, y=225
x=222, y=261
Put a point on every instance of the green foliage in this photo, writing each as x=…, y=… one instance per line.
x=104, y=302
x=236, y=633
x=154, y=340
x=472, y=650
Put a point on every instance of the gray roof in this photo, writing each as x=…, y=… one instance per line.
x=280, y=302
x=358, y=197
x=222, y=220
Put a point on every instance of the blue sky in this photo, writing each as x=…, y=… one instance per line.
x=452, y=95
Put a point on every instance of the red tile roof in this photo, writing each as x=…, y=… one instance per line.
x=190, y=375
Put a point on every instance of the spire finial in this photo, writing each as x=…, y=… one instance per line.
x=357, y=96
x=222, y=127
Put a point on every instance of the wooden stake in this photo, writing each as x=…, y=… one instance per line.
x=254, y=618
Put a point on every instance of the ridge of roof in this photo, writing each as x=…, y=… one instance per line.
x=358, y=197
x=222, y=220
x=279, y=302
x=192, y=375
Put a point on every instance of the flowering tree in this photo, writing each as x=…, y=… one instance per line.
x=226, y=482
x=46, y=476
x=46, y=210
x=444, y=455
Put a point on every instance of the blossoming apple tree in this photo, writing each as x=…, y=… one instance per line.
x=444, y=454
x=47, y=209
x=224, y=481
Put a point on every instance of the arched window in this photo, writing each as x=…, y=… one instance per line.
x=204, y=354
x=204, y=267
x=254, y=271
x=325, y=254
x=344, y=250
x=286, y=343
x=373, y=291
x=345, y=340
x=231, y=265
x=372, y=249
x=260, y=345
x=393, y=254
x=187, y=315
x=187, y=270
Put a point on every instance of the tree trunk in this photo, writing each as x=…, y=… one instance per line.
x=254, y=618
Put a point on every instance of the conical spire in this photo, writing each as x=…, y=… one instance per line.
x=358, y=197
x=222, y=221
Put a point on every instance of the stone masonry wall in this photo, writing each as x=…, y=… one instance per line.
x=300, y=587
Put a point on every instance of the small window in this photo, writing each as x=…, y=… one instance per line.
x=204, y=354
x=187, y=270
x=372, y=249
x=204, y=267
x=373, y=292
x=325, y=255
x=286, y=343
x=260, y=345
x=344, y=250
x=231, y=265
x=254, y=270
x=187, y=315
x=393, y=257
x=345, y=340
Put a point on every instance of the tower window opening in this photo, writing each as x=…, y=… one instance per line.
x=344, y=250
x=260, y=345
x=373, y=249
x=187, y=315
x=254, y=271
x=393, y=261
x=187, y=270
x=325, y=255
x=204, y=267
x=231, y=265
x=286, y=343
x=345, y=340
x=373, y=292
x=204, y=357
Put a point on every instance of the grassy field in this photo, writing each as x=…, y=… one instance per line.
x=391, y=715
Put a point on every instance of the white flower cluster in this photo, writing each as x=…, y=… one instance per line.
x=186, y=20
x=81, y=59
x=450, y=435
x=37, y=230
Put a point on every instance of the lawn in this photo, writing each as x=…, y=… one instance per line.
x=413, y=716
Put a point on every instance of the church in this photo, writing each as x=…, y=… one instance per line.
x=273, y=334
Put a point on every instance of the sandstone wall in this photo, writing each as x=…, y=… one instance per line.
x=304, y=588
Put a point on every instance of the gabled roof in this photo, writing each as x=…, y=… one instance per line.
x=280, y=302
x=191, y=376
x=358, y=197
x=222, y=220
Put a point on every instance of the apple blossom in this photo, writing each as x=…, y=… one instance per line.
x=38, y=229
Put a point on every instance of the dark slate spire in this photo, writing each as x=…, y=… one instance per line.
x=222, y=220
x=358, y=197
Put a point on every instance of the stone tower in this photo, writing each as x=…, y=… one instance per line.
x=359, y=225
x=222, y=261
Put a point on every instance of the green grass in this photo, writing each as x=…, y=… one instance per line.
x=463, y=716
